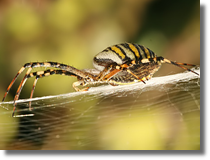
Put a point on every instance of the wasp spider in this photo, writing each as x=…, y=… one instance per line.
x=119, y=64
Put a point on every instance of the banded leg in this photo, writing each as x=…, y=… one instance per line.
x=39, y=64
x=14, y=79
x=43, y=64
x=164, y=60
x=46, y=73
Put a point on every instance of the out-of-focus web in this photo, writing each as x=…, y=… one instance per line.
x=78, y=112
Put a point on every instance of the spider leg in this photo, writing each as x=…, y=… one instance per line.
x=38, y=74
x=129, y=71
x=112, y=70
x=32, y=92
x=46, y=64
x=163, y=60
x=14, y=79
x=111, y=74
x=46, y=73
x=104, y=72
x=19, y=89
x=32, y=65
x=120, y=68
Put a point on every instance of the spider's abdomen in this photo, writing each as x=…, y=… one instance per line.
x=121, y=54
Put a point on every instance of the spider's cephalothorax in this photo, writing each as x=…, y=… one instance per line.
x=119, y=64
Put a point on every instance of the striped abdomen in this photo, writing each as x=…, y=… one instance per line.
x=126, y=53
x=121, y=54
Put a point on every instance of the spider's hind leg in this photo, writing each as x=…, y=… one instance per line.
x=163, y=60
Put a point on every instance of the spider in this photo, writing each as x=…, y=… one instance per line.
x=116, y=65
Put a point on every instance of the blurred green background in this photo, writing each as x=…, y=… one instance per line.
x=73, y=31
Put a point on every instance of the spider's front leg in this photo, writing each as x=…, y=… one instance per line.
x=32, y=65
x=64, y=68
x=41, y=74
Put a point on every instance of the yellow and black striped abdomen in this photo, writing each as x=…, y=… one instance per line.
x=121, y=54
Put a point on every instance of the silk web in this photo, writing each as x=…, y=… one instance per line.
x=163, y=114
